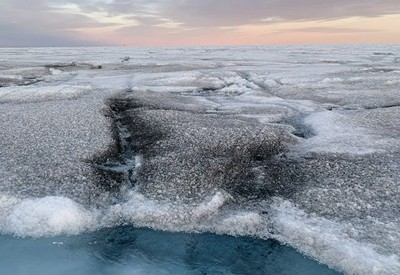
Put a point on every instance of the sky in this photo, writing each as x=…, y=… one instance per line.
x=197, y=22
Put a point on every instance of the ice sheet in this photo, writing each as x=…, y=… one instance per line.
x=300, y=144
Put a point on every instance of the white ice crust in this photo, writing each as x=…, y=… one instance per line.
x=328, y=242
x=48, y=216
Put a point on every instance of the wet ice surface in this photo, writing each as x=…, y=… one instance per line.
x=297, y=144
x=126, y=250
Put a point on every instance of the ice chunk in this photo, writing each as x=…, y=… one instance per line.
x=42, y=93
x=46, y=216
x=327, y=241
x=336, y=134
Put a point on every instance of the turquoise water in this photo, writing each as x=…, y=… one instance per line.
x=126, y=250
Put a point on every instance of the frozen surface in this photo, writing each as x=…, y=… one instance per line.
x=297, y=144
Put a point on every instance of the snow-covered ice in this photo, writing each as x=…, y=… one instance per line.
x=298, y=144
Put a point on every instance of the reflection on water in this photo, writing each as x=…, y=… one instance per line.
x=127, y=250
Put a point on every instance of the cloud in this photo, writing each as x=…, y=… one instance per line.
x=44, y=23
x=14, y=36
x=239, y=12
x=222, y=13
x=50, y=20
x=50, y=17
x=330, y=30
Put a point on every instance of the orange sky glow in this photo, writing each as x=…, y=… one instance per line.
x=380, y=30
x=194, y=23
